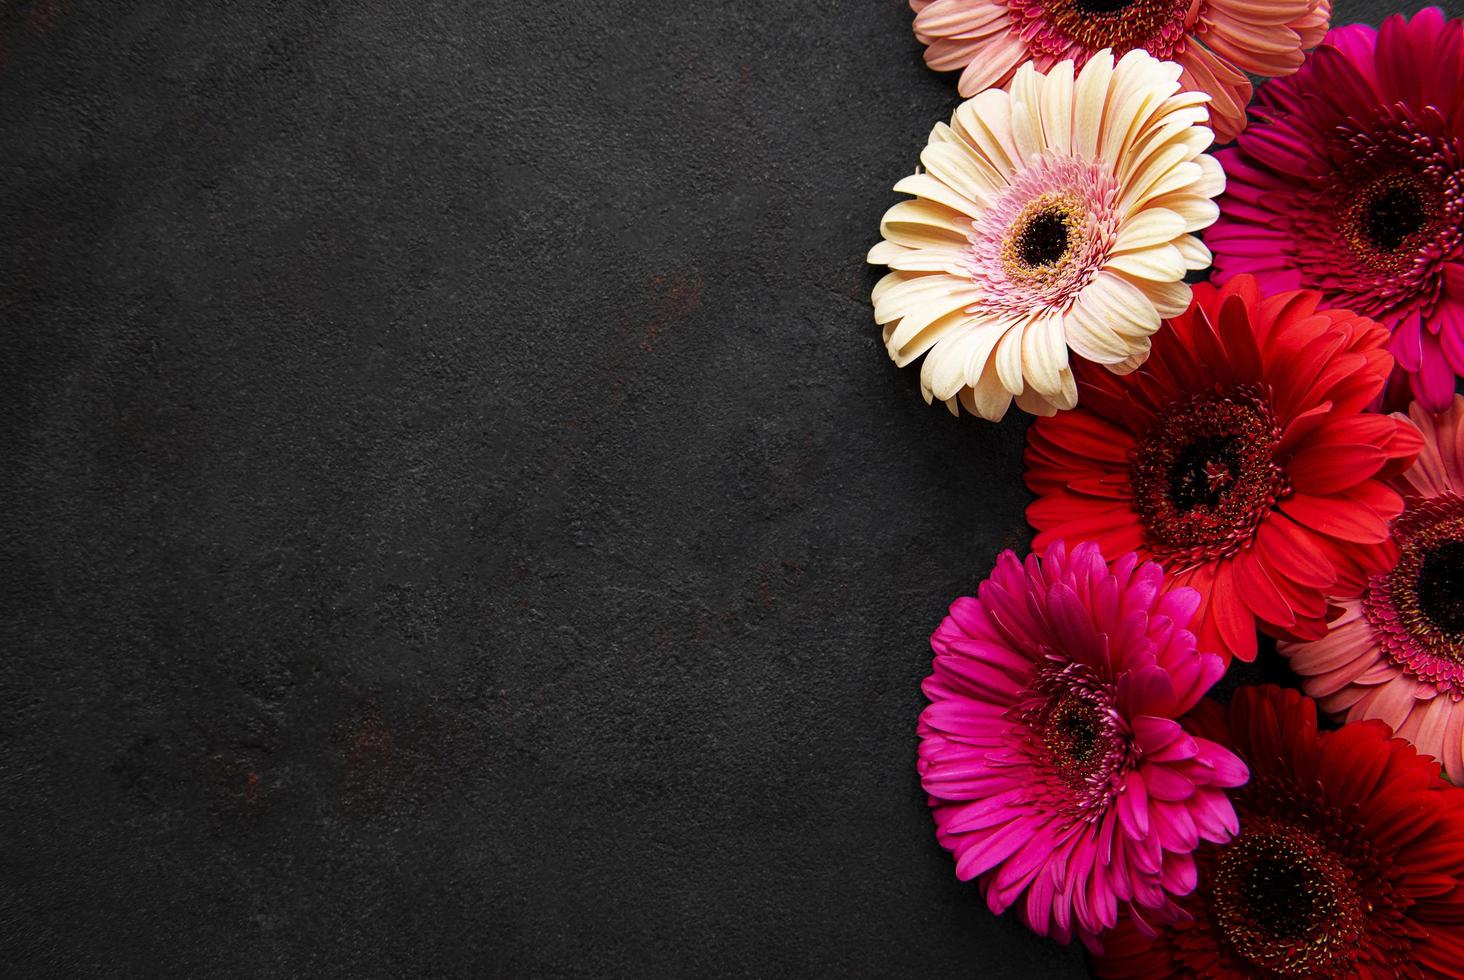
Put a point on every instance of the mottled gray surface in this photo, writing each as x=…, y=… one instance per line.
x=458, y=518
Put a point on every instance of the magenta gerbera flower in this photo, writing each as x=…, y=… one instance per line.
x=1056, y=771
x=1351, y=182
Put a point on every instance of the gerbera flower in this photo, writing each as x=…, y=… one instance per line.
x=1215, y=42
x=1349, y=861
x=1056, y=772
x=1239, y=457
x=1351, y=181
x=1395, y=650
x=1055, y=216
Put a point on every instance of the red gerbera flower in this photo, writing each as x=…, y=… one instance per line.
x=1349, y=861
x=1240, y=457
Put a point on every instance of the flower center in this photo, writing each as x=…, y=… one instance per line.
x=1389, y=220
x=1073, y=733
x=1284, y=902
x=1118, y=24
x=1441, y=586
x=1043, y=237
x=1392, y=215
x=1102, y=6
x=1203, y=472
x=1043, y=240
x=1205, y=476
x=1416, y=610
x=1078, y=745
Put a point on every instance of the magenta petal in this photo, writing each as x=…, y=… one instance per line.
x=1133, y=803
x=1179, y=875
x=1433, y=382
x=1164, y=783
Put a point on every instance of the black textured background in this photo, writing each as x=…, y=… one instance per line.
x=458, y=516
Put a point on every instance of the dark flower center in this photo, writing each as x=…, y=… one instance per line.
x=1043, y=239
x=1205, y=476
x=1391, y=215
x=1279, y=891
x=1118, y=24
x=1441, y=586
x=1203, y=472
x=1102, y=6
x=1416, y=609
x=1073, y=732
x=1079, y=748
x=1284, y=902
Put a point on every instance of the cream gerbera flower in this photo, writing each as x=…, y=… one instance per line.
x=1054, y=216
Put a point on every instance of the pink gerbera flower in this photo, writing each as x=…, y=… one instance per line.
x=1056, y=771
x=1351, y=182
x=1215, y=41
x=1395, y=649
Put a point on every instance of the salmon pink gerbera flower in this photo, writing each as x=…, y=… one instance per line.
x=1215, y=41
x=1240, y=457
x=1395, y=649
x=1351, y=181
x=1057, y=216
x=1056, y=772
x=1349, y=861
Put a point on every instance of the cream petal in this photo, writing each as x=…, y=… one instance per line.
x=1033, y=403
x=946, y=260
x=1089, y=97
x=945, y=371
x=924, y=224
x=1213, y=184
x=1150, y=227
x=1197, y=212
x=957, y=166
x=1009, y=360
x=985, y=124
x=918, y=317
x=988, y=397
x=1090, y=336
x=1133, y=363
x=1156, y=181
x=1162, y=263
x=1169, y=299
x=1044, y=355
x=1128, y=310
x=1057, y=109
x=893, y=298
x=883, y=252
x=1196, y=255
x=946, y=330
x=928, y=188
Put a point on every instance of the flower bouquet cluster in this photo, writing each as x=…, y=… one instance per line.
x=1273, y=448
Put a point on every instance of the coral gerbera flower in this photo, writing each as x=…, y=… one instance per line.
x=1055, y=216
x=1240, y=457
x=1056, y=772
x=1349, y=861
x=1351, y=181
x=1216, y=41
x=1395, y=650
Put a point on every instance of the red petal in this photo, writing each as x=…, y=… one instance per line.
x=1328, y=467
x=1340, y=517
x=1259, y=593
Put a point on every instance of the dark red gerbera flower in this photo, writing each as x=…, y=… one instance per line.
x=1349, y=861
x=1240, y=456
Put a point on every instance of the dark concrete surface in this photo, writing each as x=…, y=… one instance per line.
x=458, y=517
